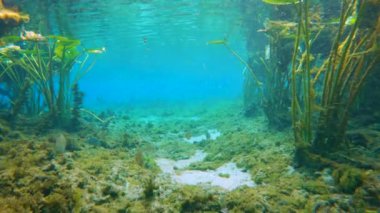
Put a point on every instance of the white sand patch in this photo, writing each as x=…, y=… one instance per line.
x=167, y=165
x=233, y=177
x=158, y=119
x=212, y=134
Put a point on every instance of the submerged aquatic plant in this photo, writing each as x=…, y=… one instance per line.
x=275, y=62
x=328, y=90
x=54, y=64
x=324, y=87
x=224, y=42
x=77, y=105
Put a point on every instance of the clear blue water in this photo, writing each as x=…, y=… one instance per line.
x=172, y=122
x=156, y=50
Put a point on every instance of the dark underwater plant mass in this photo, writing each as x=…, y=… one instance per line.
x=190, y=106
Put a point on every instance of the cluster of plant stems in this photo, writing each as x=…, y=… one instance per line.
x=323, y=93
x=40, y=75
x=320, y=89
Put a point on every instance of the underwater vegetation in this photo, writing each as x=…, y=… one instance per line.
x=320, y=84
x=330, y=86
x=41, y=75
x=307, y=135
x=315, y=85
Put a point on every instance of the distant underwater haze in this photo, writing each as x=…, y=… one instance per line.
x=155, y=50
x=164, y=72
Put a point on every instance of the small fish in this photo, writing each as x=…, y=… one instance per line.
x=221, y=41
x=31, y=36
x=267, y=52
x=10, y=47
x=262, y=30
x=97, y=51
x=281, y=2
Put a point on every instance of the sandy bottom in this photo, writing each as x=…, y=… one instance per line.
x=213, y=134
x=228, y=176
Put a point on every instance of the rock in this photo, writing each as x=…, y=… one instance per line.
x=99, y=209
x=4, y=130
x=96, y=142
x=347, y=179
x=111, y=191
x=73, y=145
x=14, y=135
x=327, y=177
x=60, y=143
x=51, y=167
x=371, y=190
x=130, y=141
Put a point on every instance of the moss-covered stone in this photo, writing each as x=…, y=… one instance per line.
x=55, y=203
x=348, y=179
x=316, y=187
x=195, y=199
x=176, y=150
x=246, y=200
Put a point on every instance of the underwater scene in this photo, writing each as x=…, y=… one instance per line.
x=189, y=106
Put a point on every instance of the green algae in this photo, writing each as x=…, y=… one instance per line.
x=348, y=179
x=111, y=179
x=193, y=198
x=176, y=150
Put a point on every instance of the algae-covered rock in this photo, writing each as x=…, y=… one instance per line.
x=55, y=203
x=194, y=199
x=60, y=143
x=348, y=179
x=332, y=203
x=370, y=190
x=78, y=199
x=130, y=141
x=73, y=145
x=200, y=202
x=111, y=190
x=4, y=129
x=246, y=200
x=316, y=187
x=149, y=188
x=176, y=150
x=94, y=141
x=99, y=209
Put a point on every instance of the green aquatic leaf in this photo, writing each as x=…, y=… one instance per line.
x=64, y=41
x=65, y=46
x=67, y=51
x=11, y=39
x=281, y=2
x=28, y=51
